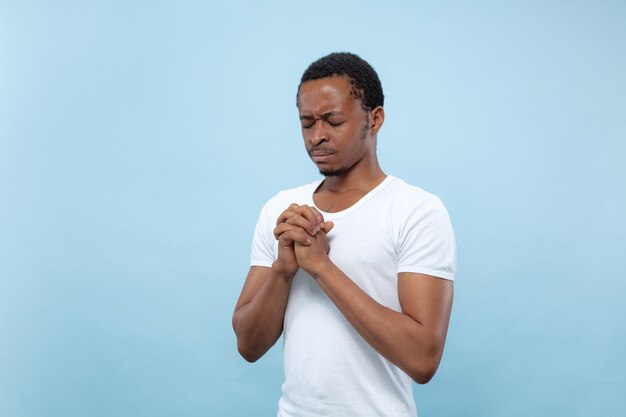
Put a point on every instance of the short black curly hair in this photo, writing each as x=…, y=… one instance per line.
x=366, y=85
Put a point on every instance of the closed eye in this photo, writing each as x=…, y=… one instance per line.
x=308, y=122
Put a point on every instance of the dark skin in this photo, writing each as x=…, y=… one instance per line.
x=340, y=137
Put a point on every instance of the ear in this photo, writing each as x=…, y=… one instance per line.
x=377, y=118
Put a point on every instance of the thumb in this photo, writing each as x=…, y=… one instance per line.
x=327, y=226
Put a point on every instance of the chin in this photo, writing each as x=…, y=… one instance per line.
x=329, y=172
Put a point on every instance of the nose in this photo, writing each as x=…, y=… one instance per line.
x=318, y=133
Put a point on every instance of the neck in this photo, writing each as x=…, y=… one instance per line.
x=361, y=178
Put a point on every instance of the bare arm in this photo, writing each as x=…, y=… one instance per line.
x=412, y=339
x=259, y=313
x=260, y=310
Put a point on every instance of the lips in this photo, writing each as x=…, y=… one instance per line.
x=321, y=155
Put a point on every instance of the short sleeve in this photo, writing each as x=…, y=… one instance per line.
x=262, y=253
x=426, y=243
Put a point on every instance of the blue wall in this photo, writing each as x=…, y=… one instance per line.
x=139, y=141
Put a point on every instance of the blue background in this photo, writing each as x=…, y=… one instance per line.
x=139, y=141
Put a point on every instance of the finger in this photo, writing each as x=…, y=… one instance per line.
x=304, y=216
x=296, y=236
x=317, y=213
x=282, y=228
x=289, y=211
x=327, y=227
x=313, y=215
x=304, y=223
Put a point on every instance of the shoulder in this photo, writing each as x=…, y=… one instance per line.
x=416, y=211
x=300, y=195
x=405, y=196
x=425, y=237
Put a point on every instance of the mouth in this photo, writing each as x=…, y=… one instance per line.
x=319, y=156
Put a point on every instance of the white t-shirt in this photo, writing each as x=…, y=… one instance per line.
x=329, y=369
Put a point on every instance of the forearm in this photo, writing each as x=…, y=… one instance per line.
x=414, y=347
x=258, y=322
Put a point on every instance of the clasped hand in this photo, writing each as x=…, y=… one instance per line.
x=302, y=242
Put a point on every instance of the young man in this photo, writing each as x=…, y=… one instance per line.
x=355, y=270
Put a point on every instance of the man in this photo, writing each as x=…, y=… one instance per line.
x=356, y=270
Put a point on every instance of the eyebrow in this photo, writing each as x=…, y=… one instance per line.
x=323, y=116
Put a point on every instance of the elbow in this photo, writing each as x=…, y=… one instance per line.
x=424, y=370
x=425, y=361
x=245, y=349
x=252, y=351
x=423, y=376
x=252, y=347
x=250, y=355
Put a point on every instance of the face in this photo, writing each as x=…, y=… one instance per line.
x=335, y=128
